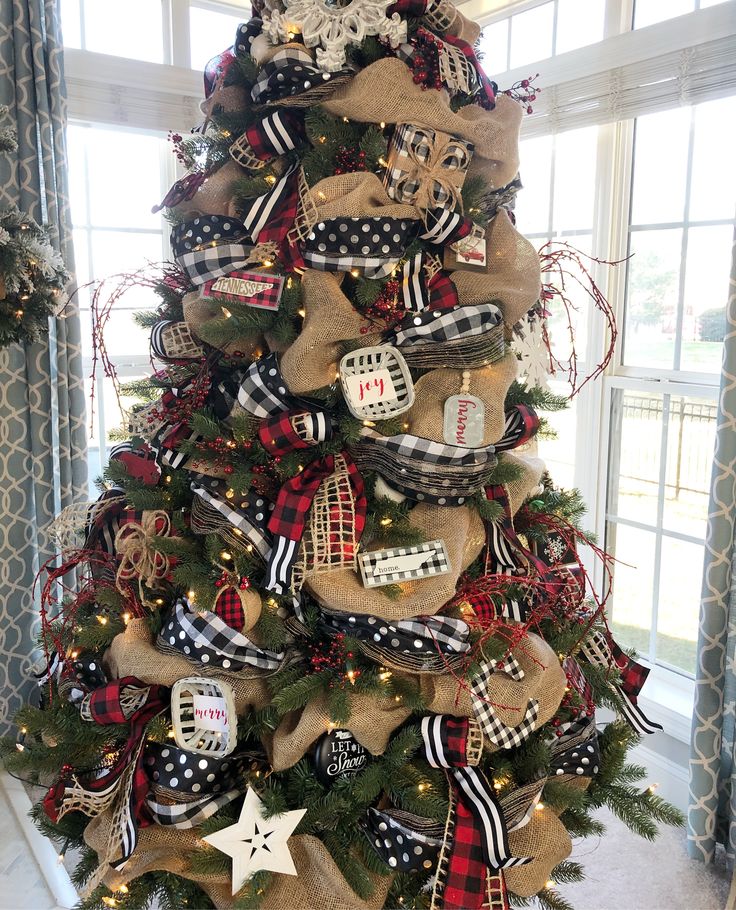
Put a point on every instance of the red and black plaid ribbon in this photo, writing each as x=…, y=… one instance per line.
x=480, y=835
x=292, y=430
x=269, y=217
x=419, y=293
x=276, y=134
x=633, y=674
x=408, y=8
x=115, y=703
x=289, y=517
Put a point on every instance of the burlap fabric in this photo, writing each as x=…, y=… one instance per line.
x=546, y=840
x=372, y=721
x=462, y=530
x=198, y=312
x=531, y=469
x=358, y=195
x=132, y=653
x=514, y=278
x=544, y=679
x=318, y=884
x=227, y=98
x=215, y=195
x=311, y=361
x=490, y=384
x=385, y=92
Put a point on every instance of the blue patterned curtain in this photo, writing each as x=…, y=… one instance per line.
x=42, y=424
x=712, y=811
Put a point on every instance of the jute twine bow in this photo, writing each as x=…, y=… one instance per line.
x=438, y=183
x=138, y=557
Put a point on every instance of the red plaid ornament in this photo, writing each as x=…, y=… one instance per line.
x=238, y=607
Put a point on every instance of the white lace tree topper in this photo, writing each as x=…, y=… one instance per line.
x=334, y=27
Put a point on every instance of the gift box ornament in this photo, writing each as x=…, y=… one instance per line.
x=376, y=382
x=426, y=167
x=388, y=567
x=203, y=716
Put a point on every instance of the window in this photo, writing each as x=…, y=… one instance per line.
x=622, y=171
x=210, y=31
x=135, y=31
x=114, y=231
x=551, y=28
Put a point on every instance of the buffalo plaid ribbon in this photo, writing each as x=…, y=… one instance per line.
x=292, y=430
x=289, y=517
x=263, y=390
x=122, y=701
x=601, y=650
x=418, y=293
x=495, y=729
x=438, y=326
x=189, y=814
x=489, y=88
x=276, y=134
x=480, y=834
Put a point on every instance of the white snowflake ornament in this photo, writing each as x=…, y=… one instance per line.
x=331, y=29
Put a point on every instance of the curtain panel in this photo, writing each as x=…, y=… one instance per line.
x=712, y=809
x=42, y=421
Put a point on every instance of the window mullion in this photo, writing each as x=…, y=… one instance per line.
x=683, y=252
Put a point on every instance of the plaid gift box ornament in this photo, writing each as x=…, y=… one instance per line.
x=426, y=167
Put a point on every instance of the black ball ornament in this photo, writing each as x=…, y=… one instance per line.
x=338, y=754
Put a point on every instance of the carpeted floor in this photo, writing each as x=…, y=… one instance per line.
x=625, y=872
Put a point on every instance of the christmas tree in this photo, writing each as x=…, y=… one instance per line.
x=331, y=642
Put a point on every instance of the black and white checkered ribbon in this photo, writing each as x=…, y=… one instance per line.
x=475, y=791
x=442, y=326
x=203, y=637
x=189, y=814
x=263, y=390
x=499, y=733
x=214, y=261
x=248, y=515
x=427, y=451
x=597, y=650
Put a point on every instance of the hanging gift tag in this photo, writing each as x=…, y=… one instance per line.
x=210, y=713
x=469, y=253
x=375, y=388
x=338, y=754
x=257, y=289
x=376, y=382
x=387, y=567
x=464, y=421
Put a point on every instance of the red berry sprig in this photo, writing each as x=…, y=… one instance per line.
x=425, y=59
x=334, y=658
x=524, y=92
x=387, y=307
x=349, y=160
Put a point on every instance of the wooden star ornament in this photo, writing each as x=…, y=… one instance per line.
x=255, y=842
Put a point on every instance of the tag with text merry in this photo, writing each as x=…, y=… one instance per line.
x=210, y=713
x=370, y=388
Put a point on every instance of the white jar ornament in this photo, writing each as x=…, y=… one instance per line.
x=376, y=382
x=203, y=716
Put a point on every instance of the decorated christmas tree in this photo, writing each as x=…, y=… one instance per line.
x=330, y=642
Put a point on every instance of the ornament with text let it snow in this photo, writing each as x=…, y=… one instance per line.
x=468, y=254
x=257, y=289
x=376, y=382
x=464, y=421
x=203, y=716
x=338, y=754
x=388, y=567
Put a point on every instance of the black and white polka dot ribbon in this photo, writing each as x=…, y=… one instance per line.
x=420, y=636
x=290, y=71
x=247, y=514
x=399, y=845
x=170, y=768
x=373, y=245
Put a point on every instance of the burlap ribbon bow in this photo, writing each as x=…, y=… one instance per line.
x=139, y=559
x=433, y=179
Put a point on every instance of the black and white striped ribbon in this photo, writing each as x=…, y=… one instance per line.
x=413, y=285
x=475, y=791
